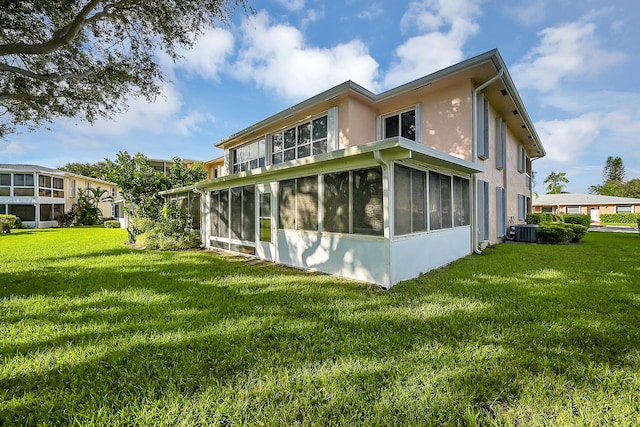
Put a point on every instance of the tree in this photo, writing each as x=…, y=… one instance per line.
x=88, y=210
x=180, y=174
x=556, y=182
x=613, y=170
x=95, y=170
x=84, y=58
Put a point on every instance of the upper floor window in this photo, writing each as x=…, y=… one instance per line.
x=49, y=186
x=401, y=124
x=249, y=156
x=5, y=184
x=301, y=141
x=23, y=184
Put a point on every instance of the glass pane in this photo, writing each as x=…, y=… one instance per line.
x=43, y=192
x=391, y=126
x=23, y=192
x=253, y=164
x=287, y=204
x=5, y=191
x=336, y=202
x=307, y=203
x=290, y=138
x=24, y=212
x=435, y=214
x=236, y=213
x=277, y=142
x=418, y=200
x=320, y=128
x=224, y=213
x=262, y=149
x=409, y=124
x=265, y=205
x=277, y=158
x=402, y=200
x=367, y=202
x=18, y=180
x=445, y=188
x=28, y=181
x=46, y=212
x=215, y=214
x=320, y=147
x=248, y=213
x=304, y=151
x=254, y=151
x=5, y=179
x=461, y=211
x=304, y=133
x=290, y=155
x=58, y=193
x=58, y=183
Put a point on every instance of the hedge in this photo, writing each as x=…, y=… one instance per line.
x=112, y=223
x=13, y=221
x=619, y=218
x=582, y=219
x=538, y=217
x=558, y=232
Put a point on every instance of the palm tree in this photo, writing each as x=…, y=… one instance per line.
x=556, y=182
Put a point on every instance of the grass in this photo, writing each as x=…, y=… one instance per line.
x=95, y=333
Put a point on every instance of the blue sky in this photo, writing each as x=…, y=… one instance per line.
x=575, y=64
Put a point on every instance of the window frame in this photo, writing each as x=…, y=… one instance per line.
x=399, y=115
x=293, y=144
x=628, y=209
x=242, y=162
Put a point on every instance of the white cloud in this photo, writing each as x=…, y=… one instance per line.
x=566, y=140
x=209, y=55
x=276, y=58
x=444, y=26
x=292, y=5
x=372, y=12
x=528, y=12
x=13, y=149
x=568, y=51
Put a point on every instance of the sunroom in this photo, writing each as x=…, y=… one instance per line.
x=380, y=213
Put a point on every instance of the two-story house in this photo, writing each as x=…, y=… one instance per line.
x=36, y=194
x=377, y=187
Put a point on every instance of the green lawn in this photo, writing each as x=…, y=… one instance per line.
x=96, y=333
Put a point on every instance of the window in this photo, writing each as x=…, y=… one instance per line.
x=410, y=192
x=72, y=188
x=402, y=124
x=220, y=213
x=573, y=209
x=50, y=212
x=301, y=141
x=501, y=143
x=353, y=202
x=5, y=184
x=461, y=202
x=24, y=212
x=242, y=209
x=298, y=201
x=250, y=156
x=439, y=201
x=265, y=217
x=547, y=210
x=367, y=202
x=49, y=186
x=23, y=186
x=484, y=209
x=624, y=209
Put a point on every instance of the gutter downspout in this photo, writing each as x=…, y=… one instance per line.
x=475, y=238
x=386, y=212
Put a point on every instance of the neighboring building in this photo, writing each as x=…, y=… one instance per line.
x=587, y=204
x=214, y=167
x=378, y=188
x=37, y=194
x=163, y=166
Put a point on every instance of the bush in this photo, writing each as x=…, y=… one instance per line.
x=113, y=223
x=170, y=232
x=538, y=217
x=558, y=232
x=582, y=219
x=13, y=221
x=620, y=218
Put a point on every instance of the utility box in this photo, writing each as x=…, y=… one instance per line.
x=527, y=233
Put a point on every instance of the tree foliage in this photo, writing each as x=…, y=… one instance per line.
x=181, y=175
x=95, y=170
x=84, y=58
x=613, y=181
x=556, y=182
x=88, y=210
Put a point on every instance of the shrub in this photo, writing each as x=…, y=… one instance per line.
x=560, y=232
x=582, y=219
x=65, y=219
x=113, y=223
x=620, y=218
x=170, y=232
x=538, y=217
x=13, y=221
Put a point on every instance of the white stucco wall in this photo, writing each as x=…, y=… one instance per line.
x=412, y=255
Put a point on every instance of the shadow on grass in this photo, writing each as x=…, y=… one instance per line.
x=165, y=339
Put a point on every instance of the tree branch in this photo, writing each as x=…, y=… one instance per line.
x=59, y=38
x=44, y=77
